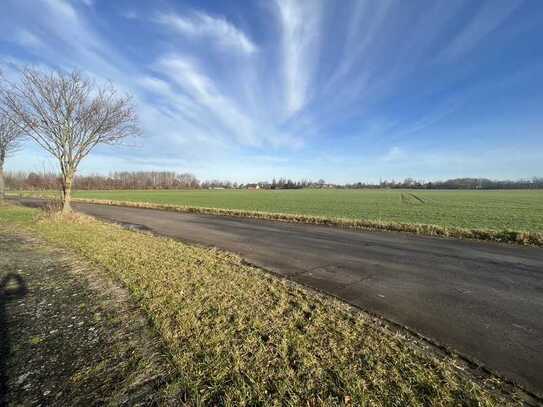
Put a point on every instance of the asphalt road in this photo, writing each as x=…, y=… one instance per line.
x=482, y=300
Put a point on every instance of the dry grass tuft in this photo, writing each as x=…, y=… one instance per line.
x=59, y=217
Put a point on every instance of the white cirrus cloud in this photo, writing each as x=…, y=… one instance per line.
x=395, y=154
x=28, y=39
x=198, y=24
x=185, y=73
x=491, y=15
x=62, y=8
x=300, y=27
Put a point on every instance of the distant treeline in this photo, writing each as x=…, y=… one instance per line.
x=142, y=180
x=115, y=180
x=456, y=183
x=172, y=180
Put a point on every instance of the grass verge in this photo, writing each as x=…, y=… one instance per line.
x=507, y=236
x=239, y=336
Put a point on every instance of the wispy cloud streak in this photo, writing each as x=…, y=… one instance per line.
x=300, y=26
x=218, y=29
x=185, y=73
x=489, y=17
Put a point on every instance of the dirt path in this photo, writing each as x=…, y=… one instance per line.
x=68, y=336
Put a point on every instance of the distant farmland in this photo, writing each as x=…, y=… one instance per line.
x=520, y=210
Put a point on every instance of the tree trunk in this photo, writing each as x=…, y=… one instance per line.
x=67, y=193
x=2, y=185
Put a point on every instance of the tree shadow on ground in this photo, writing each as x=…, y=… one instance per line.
x=12, y=288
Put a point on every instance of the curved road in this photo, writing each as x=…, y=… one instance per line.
x=482, y=300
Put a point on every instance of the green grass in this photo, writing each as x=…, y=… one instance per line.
x=495, y=210
x=239, y=336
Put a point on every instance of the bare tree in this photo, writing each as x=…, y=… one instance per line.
x=10, y=141
x=68, y=115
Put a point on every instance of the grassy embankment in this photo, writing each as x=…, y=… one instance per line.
x=239, y=336
x=507, y=216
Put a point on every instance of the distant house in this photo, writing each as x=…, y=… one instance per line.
x=252, y=186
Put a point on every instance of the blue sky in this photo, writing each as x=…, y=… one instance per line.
x=340, y=90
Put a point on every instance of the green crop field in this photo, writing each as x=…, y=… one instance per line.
x=520, y=210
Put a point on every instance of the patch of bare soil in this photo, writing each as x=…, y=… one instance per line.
x=69, y=336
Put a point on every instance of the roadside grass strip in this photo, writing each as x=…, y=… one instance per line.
x=239, y=336
x=502, y=216
x=504, y=236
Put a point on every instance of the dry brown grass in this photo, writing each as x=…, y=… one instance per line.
x=59, y=217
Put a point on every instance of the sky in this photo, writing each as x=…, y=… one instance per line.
x=343, y=90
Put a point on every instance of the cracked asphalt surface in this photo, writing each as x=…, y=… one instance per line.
x=483, y=300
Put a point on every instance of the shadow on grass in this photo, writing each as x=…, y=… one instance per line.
x=12, y=288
